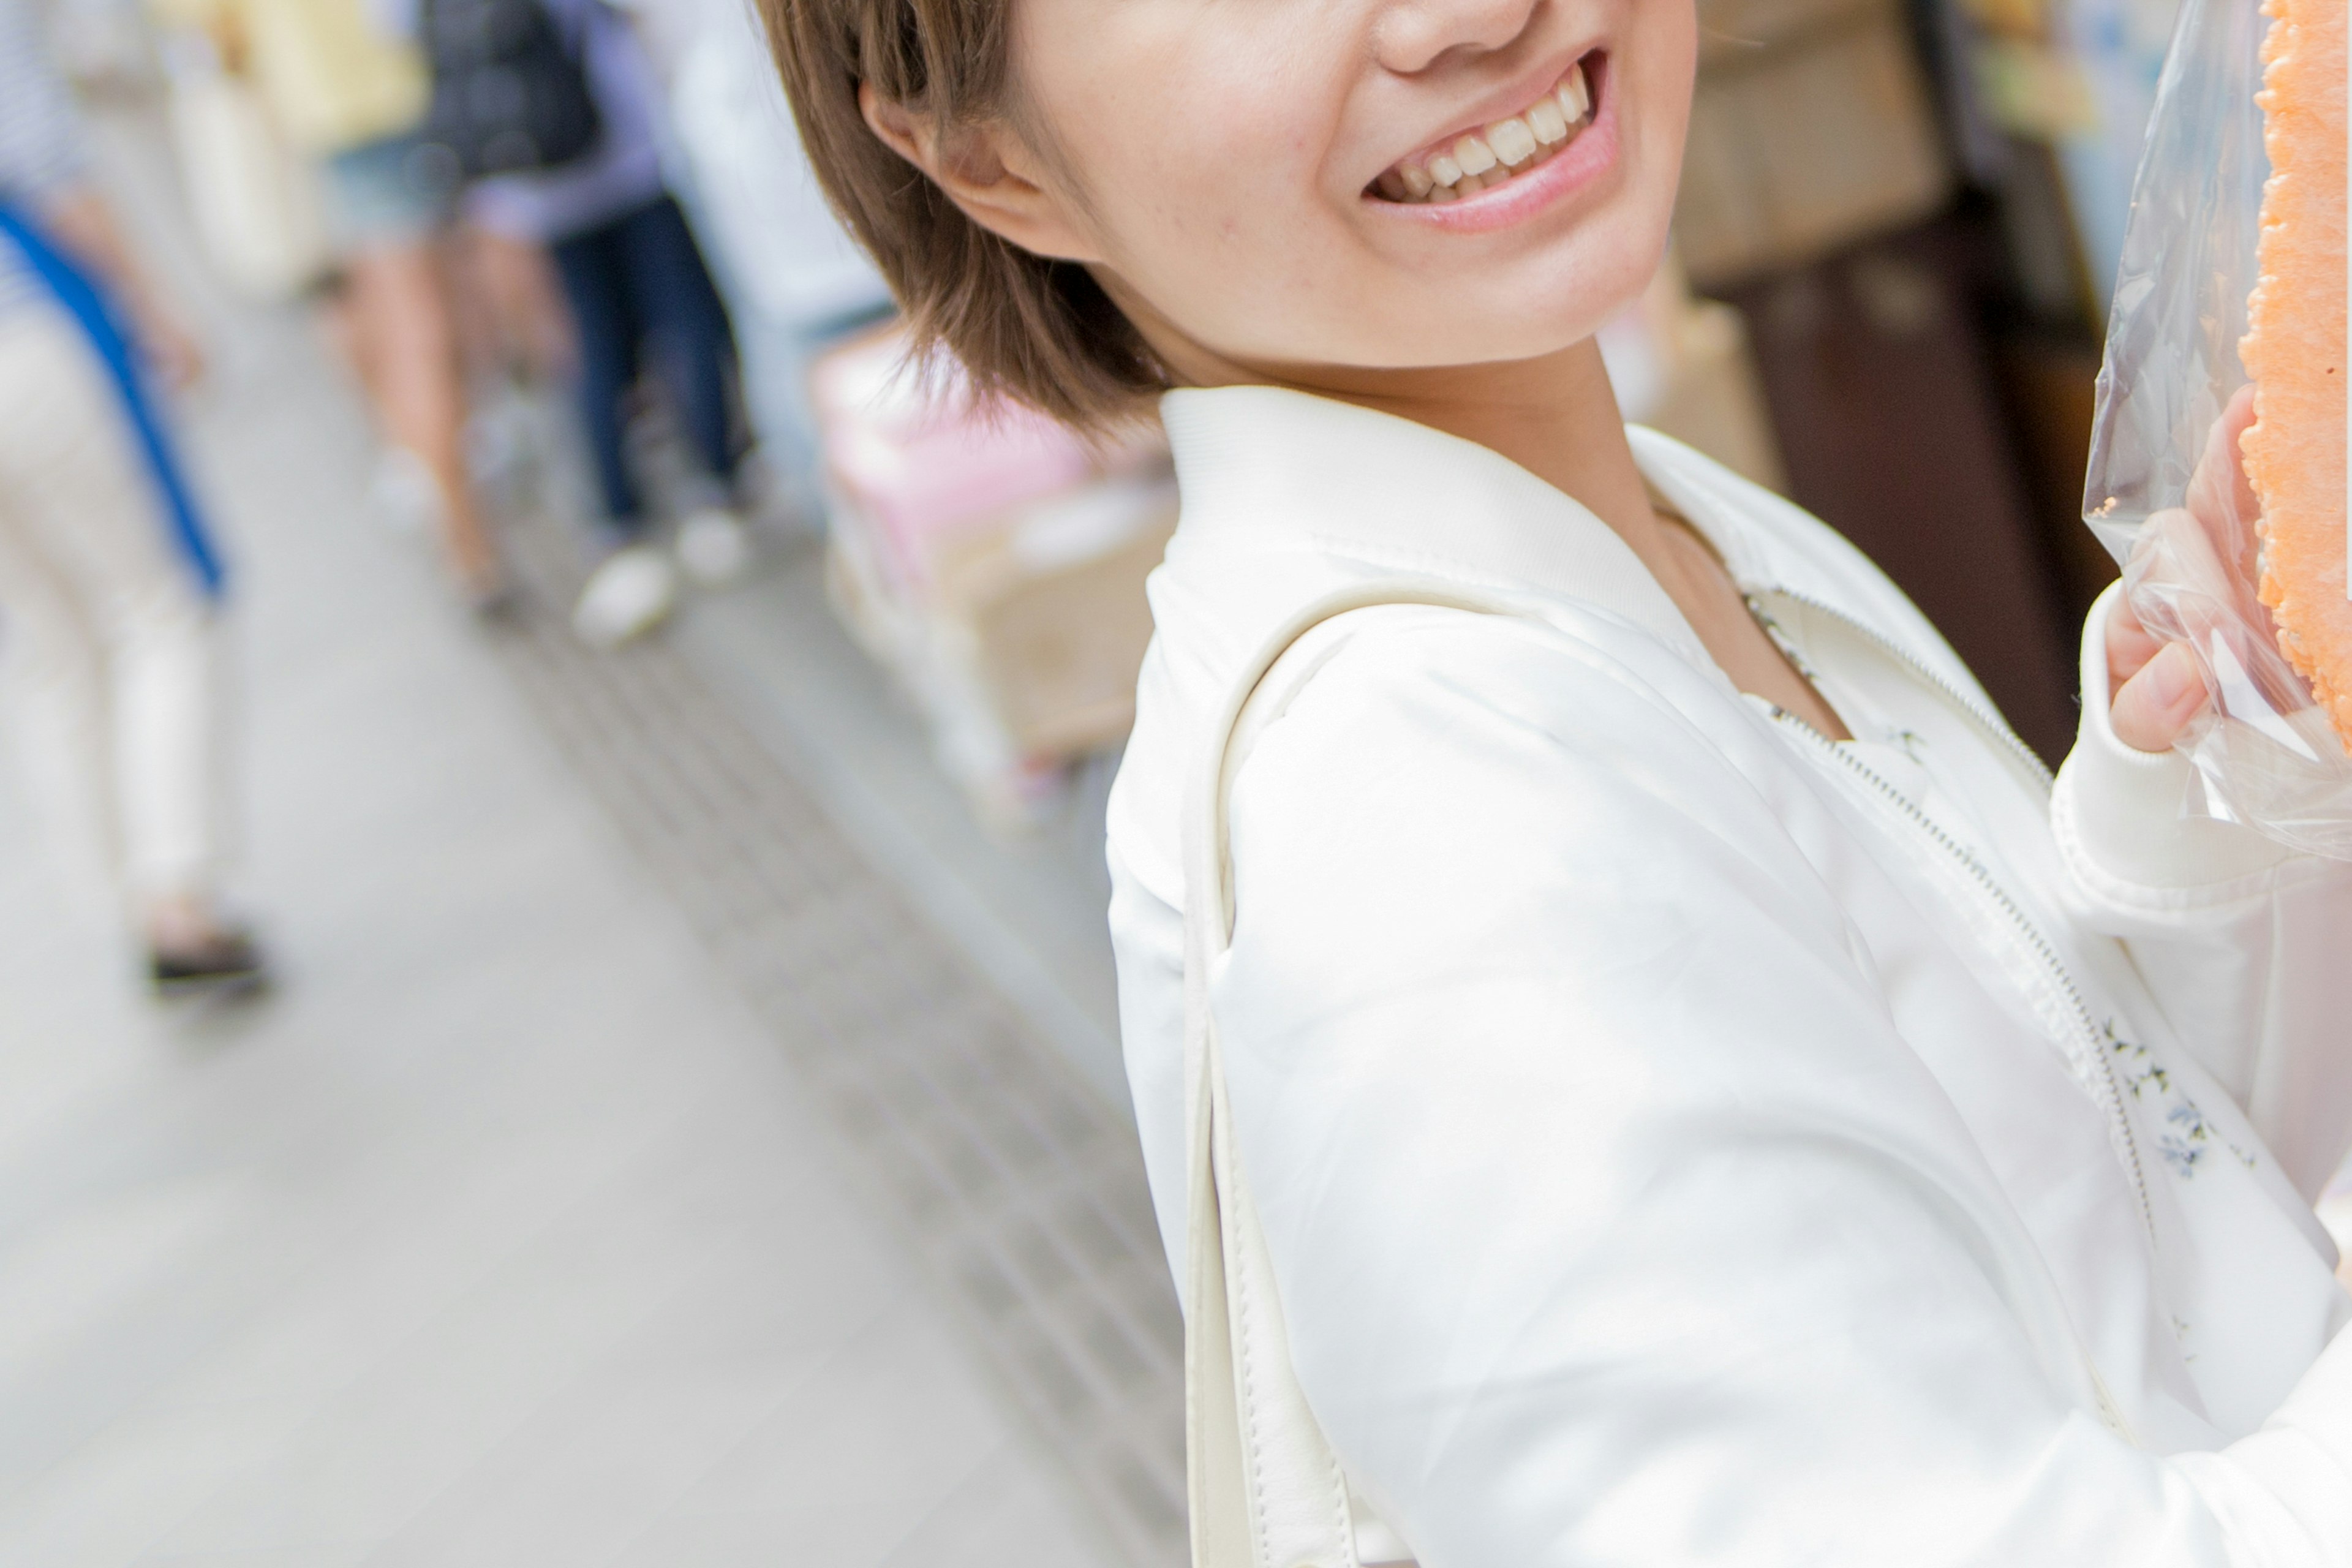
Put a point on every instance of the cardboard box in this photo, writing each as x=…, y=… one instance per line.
x=1058, y=633
x=1732, y=32
x=1023, y=655
x=994, y=564
x=1810, y=130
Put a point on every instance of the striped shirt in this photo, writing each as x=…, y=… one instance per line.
x=40, y=137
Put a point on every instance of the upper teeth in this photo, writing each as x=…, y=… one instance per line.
x=1504, y=148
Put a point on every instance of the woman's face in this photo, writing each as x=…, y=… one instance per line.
x=1252, y=172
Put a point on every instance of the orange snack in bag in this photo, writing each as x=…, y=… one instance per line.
x=2295, y=348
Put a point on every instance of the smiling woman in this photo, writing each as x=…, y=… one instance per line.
x=1636, y=1063
x=1243, y=237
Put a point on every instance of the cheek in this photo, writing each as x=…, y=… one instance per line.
x=1664, y=62
x=1208, y=215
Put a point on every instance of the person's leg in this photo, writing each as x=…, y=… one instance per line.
x=693, y=348
x=524, y=300
x=55, y=671
x=634, y=587
x=595, y=286
x=57, y=698
x=92, y=577
x=338, y=318
x=402, y=310
x=686, y=325
x=165, y=678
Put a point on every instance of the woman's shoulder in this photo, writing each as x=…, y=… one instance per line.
x=1554, y=728
x=1569, y=672
x=1514, y=698
x=1449, y=789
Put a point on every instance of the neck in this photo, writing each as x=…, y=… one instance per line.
x=1555, y=416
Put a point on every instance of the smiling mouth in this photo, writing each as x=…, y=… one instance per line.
x=1482, y=159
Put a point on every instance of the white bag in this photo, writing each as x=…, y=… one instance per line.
x=257, y=202
x=1265, y=1490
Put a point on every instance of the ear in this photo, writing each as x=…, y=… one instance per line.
x=988, y=173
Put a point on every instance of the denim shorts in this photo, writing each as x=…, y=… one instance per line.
x=387, y=193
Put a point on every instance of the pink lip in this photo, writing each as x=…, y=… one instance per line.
x=1589, y=156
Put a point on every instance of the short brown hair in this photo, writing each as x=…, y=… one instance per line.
x=1038, y=330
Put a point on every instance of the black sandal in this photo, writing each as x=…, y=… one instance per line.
x=230, y=965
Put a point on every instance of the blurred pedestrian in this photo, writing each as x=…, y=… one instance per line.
x=108, y=580
x=346, y=84
x=794, y=282
x=640, y=296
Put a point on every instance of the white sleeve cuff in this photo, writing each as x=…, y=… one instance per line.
x=2118, y=810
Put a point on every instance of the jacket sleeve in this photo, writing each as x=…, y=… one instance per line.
x=2242, y=941
x=1612, y=1221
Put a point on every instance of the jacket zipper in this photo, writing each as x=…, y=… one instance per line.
x=2109, y=1410
x=2035, y=942
x=1985, y=719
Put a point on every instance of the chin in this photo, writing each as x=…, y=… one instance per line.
x=1555, y=309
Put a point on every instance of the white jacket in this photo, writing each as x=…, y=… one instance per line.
x=1683, y=1139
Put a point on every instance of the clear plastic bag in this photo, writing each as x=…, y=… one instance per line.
x=2165, y=492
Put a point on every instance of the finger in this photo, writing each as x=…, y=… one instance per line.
x=2130, y=645
x=2235, y=421
x=2155, y=705
x=2177, y=585
x=2219, y=496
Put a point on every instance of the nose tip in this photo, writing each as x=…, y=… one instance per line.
x=1416, y=37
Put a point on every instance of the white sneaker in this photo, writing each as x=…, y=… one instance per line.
x=500, y=440
x=630, y=595
x=403, y=493
x=714, y=546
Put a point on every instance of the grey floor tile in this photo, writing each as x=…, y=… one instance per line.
x=891, y=1423
x=304, y=1557
x=1004, y=1516
x=129, y=1486
x=773, y=1537
x=595, y=1468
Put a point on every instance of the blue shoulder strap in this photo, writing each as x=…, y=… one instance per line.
x=80, y=294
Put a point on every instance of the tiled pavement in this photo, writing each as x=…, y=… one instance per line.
x=522, y=1225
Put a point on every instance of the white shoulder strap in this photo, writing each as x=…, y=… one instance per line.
x=1265, y=1490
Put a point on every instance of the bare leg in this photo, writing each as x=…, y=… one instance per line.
x=528, y=317
x=409, y=353
x=339, y=319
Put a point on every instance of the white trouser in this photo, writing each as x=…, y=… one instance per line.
x=110, y=640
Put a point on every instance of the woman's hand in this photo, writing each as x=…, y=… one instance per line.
x=2200, y=559
x=173, y=353
x=85, y=227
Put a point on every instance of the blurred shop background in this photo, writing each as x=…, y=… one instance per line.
x=686, y=1122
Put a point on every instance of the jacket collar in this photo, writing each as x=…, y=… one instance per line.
x=1262, y=467
x=1265, y=468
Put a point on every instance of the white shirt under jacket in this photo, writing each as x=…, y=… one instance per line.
x=1681, y=1139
